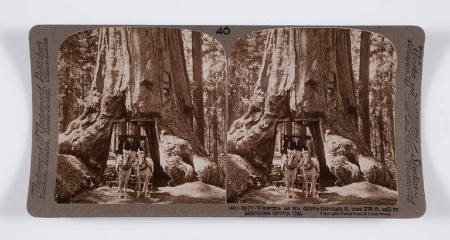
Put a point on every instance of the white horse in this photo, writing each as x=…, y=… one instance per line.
x=123, y=166
x=290, y=166
x=311, y=172
x=144, y=172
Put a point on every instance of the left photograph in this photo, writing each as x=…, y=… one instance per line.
x=141, y=117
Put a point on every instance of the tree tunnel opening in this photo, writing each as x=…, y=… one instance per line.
x=138, y=133
x=307, y=133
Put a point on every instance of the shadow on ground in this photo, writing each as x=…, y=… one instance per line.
x=195, y=192
x=362, y=193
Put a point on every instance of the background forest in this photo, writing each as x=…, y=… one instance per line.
x=213, y=63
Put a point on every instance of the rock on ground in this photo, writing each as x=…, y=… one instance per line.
x=341, y=157
x=181, y=164
x=348, y=166
x=375, y=172
x=207, y=171
x=176, y=159
x=72, y=176
x=240, y=176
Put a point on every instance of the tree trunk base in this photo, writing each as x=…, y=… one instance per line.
x=341, y=157
x=374, y=172
x=207, y=171
x=241, y=176
x=72, y=176
x=176, y=159
x=349, y=165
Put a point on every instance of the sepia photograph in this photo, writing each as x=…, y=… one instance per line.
x=311, y=118
x=141, y=117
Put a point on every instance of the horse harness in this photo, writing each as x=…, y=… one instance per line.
x=291, y=166
x=124, y=166
x=309, y=166
x=143, y=166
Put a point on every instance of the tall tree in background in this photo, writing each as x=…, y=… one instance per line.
x=382, y=139
x=197, y=92
x=382, y=95
x=247, y=51
x=213, y=73
x=364, y=87
x=214, y=64
x=76, y=62
x=215, y=136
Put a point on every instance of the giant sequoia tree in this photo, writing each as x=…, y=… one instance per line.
x=140, y=74
x=197, y=93
x=364, y=89
x=306, y=73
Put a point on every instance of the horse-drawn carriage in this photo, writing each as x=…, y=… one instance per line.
x=296, y=138
x=110, y=174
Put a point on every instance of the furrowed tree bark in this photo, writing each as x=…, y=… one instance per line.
x=67, y=110
x=209, y=141
x=215, y=130
x=230, y=105
x=381, y=140
x=140, y=74
x=306, y=74
x=390, y=108
x=197, y=73
x=364, y=87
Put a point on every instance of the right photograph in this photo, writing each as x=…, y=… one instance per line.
x=311, y=118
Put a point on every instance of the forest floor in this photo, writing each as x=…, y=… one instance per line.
x=361, y=193
x=193, y=192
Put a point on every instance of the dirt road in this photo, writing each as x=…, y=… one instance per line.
x=362, y=193
x=194, y=192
